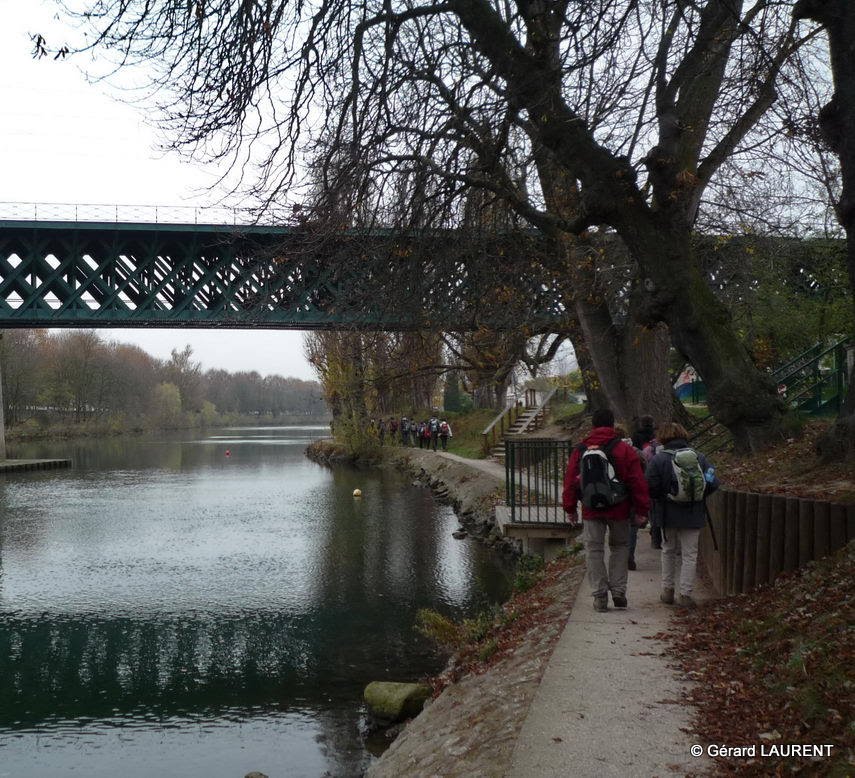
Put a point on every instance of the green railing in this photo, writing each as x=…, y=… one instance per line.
x=812, y=387
x=805, y=384
x=534, y=479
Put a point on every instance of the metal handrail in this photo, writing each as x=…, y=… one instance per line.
x=511, y=410
x=806, y=357
x=145, y=213
x=780, y=377
x=534, y=478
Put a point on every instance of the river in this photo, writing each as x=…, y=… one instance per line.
x=214, y=603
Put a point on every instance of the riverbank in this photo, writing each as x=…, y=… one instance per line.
x=33, y=431
x=473, y=487
x=581, y=691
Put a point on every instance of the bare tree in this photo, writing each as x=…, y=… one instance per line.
x=837, y=123
x=633, y=104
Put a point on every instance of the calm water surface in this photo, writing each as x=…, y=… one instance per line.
x=167, y=610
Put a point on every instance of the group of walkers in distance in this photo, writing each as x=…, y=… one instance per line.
x=625, y=483
x=409, y=432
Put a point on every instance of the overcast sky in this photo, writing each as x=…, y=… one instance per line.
x=63, y=140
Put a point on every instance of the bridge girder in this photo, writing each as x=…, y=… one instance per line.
x=70, y=274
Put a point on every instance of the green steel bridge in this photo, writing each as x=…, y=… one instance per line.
x=138, y=266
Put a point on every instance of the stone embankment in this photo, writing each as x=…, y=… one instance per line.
x=472, y=727
x=473, y=487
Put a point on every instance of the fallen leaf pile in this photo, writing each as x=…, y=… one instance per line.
x=776, y=666
x=791, y=467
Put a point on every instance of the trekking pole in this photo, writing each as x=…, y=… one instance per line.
x=709, y=522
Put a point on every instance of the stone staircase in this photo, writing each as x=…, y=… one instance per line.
x=532, y=418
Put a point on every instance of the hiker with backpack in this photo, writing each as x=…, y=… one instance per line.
x=680, y=479
x=605, y=474
x=433, y=426
x=424, y=434
x=444, y=433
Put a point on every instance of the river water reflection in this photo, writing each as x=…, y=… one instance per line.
x=166, y=609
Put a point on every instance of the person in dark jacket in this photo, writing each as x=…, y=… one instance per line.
x=614, y=519
x=681, y=521
x=644, y=439
x=633, y=526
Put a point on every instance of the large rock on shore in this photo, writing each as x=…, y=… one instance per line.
x=390, y=702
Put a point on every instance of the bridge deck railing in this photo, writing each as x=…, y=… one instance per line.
x=144, y=214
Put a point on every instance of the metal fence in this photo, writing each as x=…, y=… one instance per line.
x=534, y=478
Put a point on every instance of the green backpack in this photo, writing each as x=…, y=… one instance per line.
x=688, y=476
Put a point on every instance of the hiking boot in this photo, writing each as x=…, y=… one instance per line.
x=630, y=565
x=601, y=603
x=686, y=601
x=619, y=600
x=667, y=596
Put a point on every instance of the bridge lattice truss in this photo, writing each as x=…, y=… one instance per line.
x=131, y=275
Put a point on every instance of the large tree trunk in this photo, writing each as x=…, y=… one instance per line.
x=631, y=362
x=590, y=380
x=739, y=395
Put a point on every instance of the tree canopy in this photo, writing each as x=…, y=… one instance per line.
x=620, y=115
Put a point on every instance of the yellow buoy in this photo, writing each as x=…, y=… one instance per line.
x=357, y=492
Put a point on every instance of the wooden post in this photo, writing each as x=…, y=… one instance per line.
x=711, y=557
x=739, y=543
x=821, y=529
x=764, y=520
x=723, y=529
x=838, y=527
x=805, y=531
x=777, y=532
x=791, y=534
x=730, y=533
x=749, y=557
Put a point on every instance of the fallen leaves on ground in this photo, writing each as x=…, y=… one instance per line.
x=775, y=666
x=791, y=468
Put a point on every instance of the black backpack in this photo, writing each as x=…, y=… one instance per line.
x=599, y=485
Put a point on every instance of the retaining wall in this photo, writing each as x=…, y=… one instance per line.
x=761, y=536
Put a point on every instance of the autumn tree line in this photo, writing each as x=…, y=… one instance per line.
x=77, y=377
